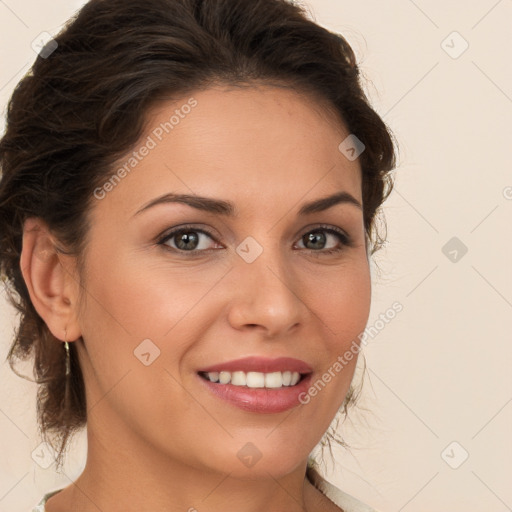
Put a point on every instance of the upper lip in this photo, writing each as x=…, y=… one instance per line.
x=260, y=364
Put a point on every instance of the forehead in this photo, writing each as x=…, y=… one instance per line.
x=263, y=144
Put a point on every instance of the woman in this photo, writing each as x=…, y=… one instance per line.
x=188, y=208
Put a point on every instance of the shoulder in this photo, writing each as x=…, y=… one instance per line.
x=343, y=500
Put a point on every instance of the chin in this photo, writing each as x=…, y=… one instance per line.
x=251, y=461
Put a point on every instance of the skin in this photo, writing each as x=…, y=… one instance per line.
x=157, y=439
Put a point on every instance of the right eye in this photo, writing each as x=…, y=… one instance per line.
x=187, y=239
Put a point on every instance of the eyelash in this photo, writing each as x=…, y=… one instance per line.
x=344, y=239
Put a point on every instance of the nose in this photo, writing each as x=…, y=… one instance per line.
x=266, y=296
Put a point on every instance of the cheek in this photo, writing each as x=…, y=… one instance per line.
x=342, y=309
x=342, y=302
x=131, y=301
x=144, y=299
x=128, y=309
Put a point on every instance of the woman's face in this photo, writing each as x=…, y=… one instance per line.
x=262, y=281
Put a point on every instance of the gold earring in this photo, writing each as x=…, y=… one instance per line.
x=66, y=346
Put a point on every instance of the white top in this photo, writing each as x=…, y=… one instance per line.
x=343, y=500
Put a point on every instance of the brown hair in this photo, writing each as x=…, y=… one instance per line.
x=83, y=105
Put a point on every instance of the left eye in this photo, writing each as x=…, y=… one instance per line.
x=318, y=237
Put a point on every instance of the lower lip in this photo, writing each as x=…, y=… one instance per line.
x=261, y=400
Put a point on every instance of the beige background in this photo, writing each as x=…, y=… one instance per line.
x=439, y=385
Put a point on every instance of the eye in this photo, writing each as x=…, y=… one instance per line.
x=195, y=241
x=316, y=239
x=187, y=239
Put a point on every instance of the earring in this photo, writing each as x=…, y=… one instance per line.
x=66, y=346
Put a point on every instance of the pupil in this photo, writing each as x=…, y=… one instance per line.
x=318, y=239
x=185, y=238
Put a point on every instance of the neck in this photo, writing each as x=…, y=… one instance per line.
x=117, y=478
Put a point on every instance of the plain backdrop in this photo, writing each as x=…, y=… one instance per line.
x=432, y=431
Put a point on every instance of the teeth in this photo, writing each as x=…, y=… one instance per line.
x=287, y=378
x=224, y=377
x=274, y=380
x=238, y=379
x=255, y=379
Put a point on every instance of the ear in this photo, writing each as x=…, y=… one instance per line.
x=51, y=280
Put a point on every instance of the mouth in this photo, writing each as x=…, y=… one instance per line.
x=253, y=380
x=258, y=384
x=257, y=392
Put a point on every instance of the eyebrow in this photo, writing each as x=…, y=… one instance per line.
x=228, y=209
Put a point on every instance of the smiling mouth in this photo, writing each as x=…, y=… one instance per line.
x=270, y=380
